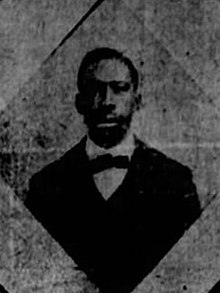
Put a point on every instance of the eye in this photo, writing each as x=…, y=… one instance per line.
x=121, y=86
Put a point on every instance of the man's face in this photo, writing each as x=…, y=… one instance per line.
x=109, y=100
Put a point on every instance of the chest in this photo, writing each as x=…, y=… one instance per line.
x=108, y=181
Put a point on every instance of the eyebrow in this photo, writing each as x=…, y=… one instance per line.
x=115, y=83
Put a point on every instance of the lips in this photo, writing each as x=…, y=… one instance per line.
x=106, y=124
x=107, y=121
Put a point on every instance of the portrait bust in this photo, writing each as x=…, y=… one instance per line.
x=114, y=204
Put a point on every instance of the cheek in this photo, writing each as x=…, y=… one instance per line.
x=91, y=102
x=125, y=104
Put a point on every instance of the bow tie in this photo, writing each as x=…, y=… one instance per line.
x=108, y=161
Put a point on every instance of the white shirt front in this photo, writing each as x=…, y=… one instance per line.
x=109, y=180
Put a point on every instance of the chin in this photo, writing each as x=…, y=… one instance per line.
x=108, y=137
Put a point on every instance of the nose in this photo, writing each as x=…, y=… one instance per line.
x=107, y=95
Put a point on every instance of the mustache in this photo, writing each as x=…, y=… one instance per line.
x=105, y=114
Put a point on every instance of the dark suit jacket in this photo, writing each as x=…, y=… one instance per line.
x=119, y=241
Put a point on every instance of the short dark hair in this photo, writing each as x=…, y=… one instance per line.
x=98, y=54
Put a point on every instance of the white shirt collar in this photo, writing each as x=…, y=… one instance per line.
x=125, y=148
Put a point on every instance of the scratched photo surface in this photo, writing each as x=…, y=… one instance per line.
x=62, y=228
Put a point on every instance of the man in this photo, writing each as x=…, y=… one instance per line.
x=114, y=204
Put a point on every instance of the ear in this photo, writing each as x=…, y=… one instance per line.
x=79, y=104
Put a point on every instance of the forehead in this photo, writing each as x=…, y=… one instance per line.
x=109, y=70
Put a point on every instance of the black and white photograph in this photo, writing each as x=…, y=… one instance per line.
x=109, y=146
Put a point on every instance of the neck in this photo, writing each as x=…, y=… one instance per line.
x=125, y=147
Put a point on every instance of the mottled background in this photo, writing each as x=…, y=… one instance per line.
x=175, y=45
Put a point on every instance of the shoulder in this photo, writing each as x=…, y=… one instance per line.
x=166, y=175
x=50, y=183
x=56, y=171
x=170, y=183
x=157, y=161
